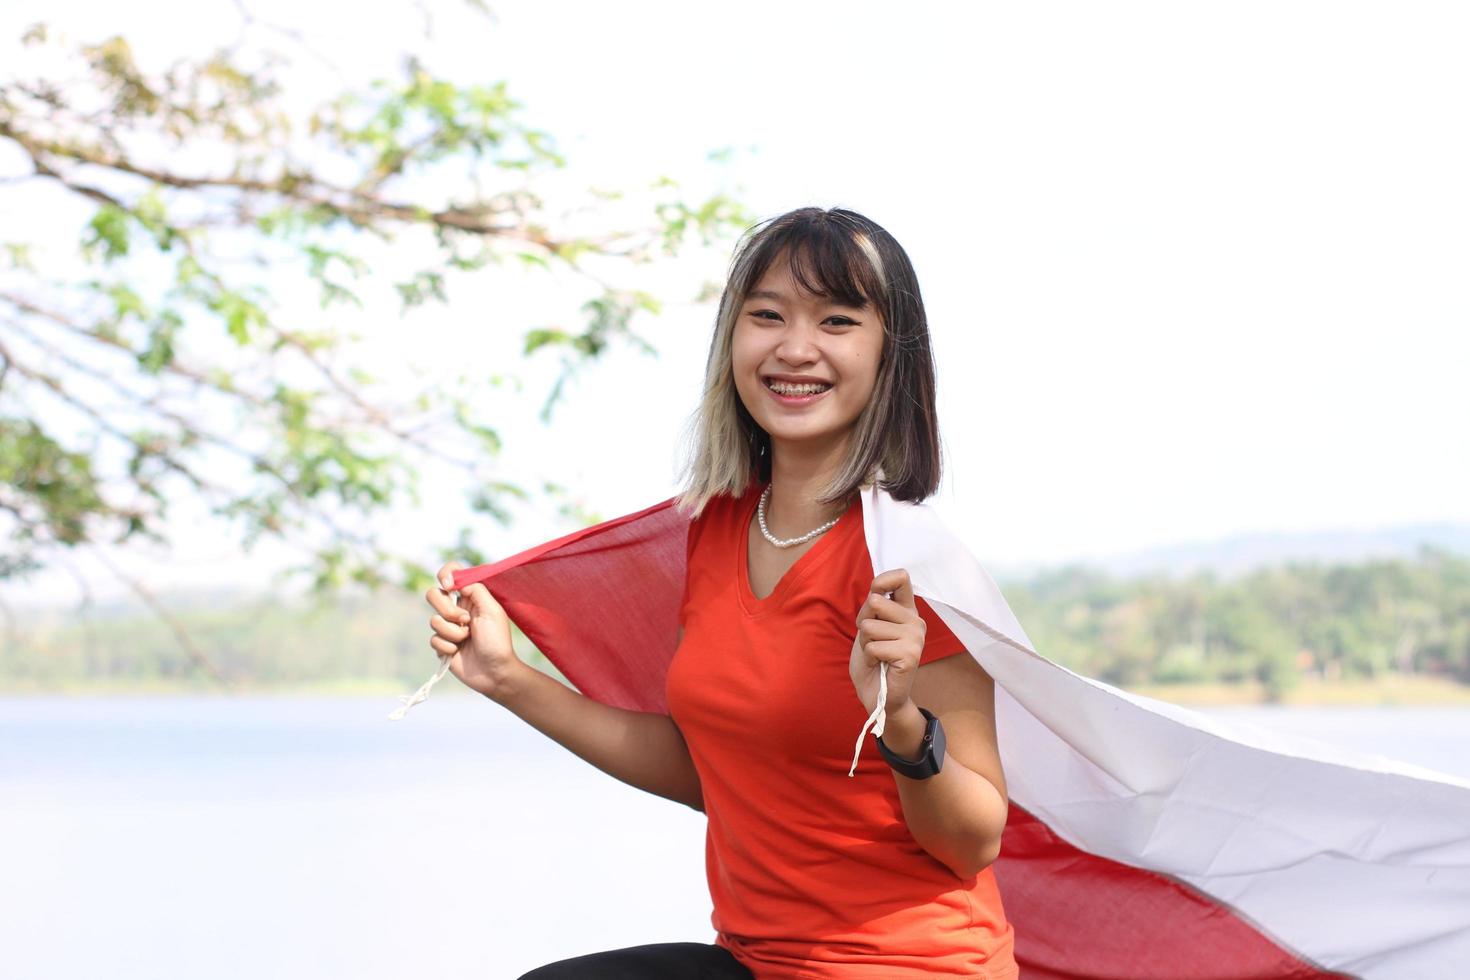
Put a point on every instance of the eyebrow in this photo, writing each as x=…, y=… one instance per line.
x=781, y=297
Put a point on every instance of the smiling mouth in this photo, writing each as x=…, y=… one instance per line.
x=788, y=389
x=795, y=394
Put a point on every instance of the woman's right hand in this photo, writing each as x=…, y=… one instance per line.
x=475, y=632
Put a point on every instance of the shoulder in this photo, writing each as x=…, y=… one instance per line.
x=914, y=536
x=715, y=519
x=908, y=525
x=940, y=642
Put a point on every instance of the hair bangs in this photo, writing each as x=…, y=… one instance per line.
x=826, y=259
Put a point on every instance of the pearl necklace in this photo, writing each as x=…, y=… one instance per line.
x=761, y=513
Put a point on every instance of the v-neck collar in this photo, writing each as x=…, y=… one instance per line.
x=813, y=556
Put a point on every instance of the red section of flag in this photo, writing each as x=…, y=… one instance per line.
x=1078, y=916
x=602, y=603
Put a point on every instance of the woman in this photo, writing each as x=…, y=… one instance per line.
x=820, y=380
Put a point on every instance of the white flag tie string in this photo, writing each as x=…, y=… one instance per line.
x=876, y=719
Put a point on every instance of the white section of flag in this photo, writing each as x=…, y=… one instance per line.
x=1356, y=862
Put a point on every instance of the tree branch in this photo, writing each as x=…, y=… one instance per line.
x=200, y=658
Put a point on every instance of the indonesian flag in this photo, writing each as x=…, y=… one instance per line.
x=1145, y=840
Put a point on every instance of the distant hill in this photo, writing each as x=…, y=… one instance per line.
x=1228, y=558
x=1357, y=607
x=1239, y=554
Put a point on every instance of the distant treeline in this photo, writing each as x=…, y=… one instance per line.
x=1273, y=626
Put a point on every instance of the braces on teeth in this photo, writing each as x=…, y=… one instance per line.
x=783, y=388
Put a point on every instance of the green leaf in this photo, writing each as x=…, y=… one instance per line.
x=542, y=336
x=240, y=314
x=109, y=234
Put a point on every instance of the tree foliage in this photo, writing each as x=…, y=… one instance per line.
x=1273, y=626
x=169, y=353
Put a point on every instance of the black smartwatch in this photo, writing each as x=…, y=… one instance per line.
x=931, y=751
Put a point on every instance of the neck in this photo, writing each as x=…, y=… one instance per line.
x=793, y=508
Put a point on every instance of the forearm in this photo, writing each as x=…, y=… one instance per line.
x=642, y=748
x=957, y=815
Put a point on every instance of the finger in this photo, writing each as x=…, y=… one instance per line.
x=895, y=653
x=895, y=581
x=891, y=610
x=445, y=606
x=442, y=645
x=870, y=601
x=452, y=632
x=873, y=628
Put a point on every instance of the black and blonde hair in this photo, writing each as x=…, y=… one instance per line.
x=839, y=254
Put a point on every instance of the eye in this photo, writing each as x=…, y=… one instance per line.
x=836, y=319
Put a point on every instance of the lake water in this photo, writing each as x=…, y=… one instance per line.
x=311, y=837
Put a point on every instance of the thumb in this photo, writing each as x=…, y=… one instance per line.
x=904, y=594
x=477, y=599
x=446, y=576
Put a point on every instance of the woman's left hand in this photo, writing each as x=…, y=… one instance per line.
x=890, y=631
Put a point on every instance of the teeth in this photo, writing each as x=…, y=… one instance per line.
x=783, y=388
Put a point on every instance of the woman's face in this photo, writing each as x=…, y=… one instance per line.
x=785, y=331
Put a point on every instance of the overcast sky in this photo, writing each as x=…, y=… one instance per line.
x=1191, y=269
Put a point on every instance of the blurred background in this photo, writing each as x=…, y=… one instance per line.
x=300, y=301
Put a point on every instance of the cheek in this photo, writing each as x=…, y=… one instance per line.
x=743, y=363
x=862, y=370
x=741, y=367
x=740, y=348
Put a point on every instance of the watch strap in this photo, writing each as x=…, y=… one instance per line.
x=931, y=751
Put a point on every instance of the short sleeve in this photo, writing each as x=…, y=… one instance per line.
x=939, y=639
x=695, y=526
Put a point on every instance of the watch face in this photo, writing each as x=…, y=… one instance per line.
x=931, y=755
x=936, y=746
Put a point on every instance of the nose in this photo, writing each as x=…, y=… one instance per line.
x=798, y=342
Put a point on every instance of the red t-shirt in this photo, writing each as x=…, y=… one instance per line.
x=811, y=873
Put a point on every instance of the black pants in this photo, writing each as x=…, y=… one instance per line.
x=658, y=961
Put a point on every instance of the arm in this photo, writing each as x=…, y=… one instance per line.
x=642, y=748
x=959, y=814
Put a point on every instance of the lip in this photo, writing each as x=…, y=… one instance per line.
x=793, y=400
